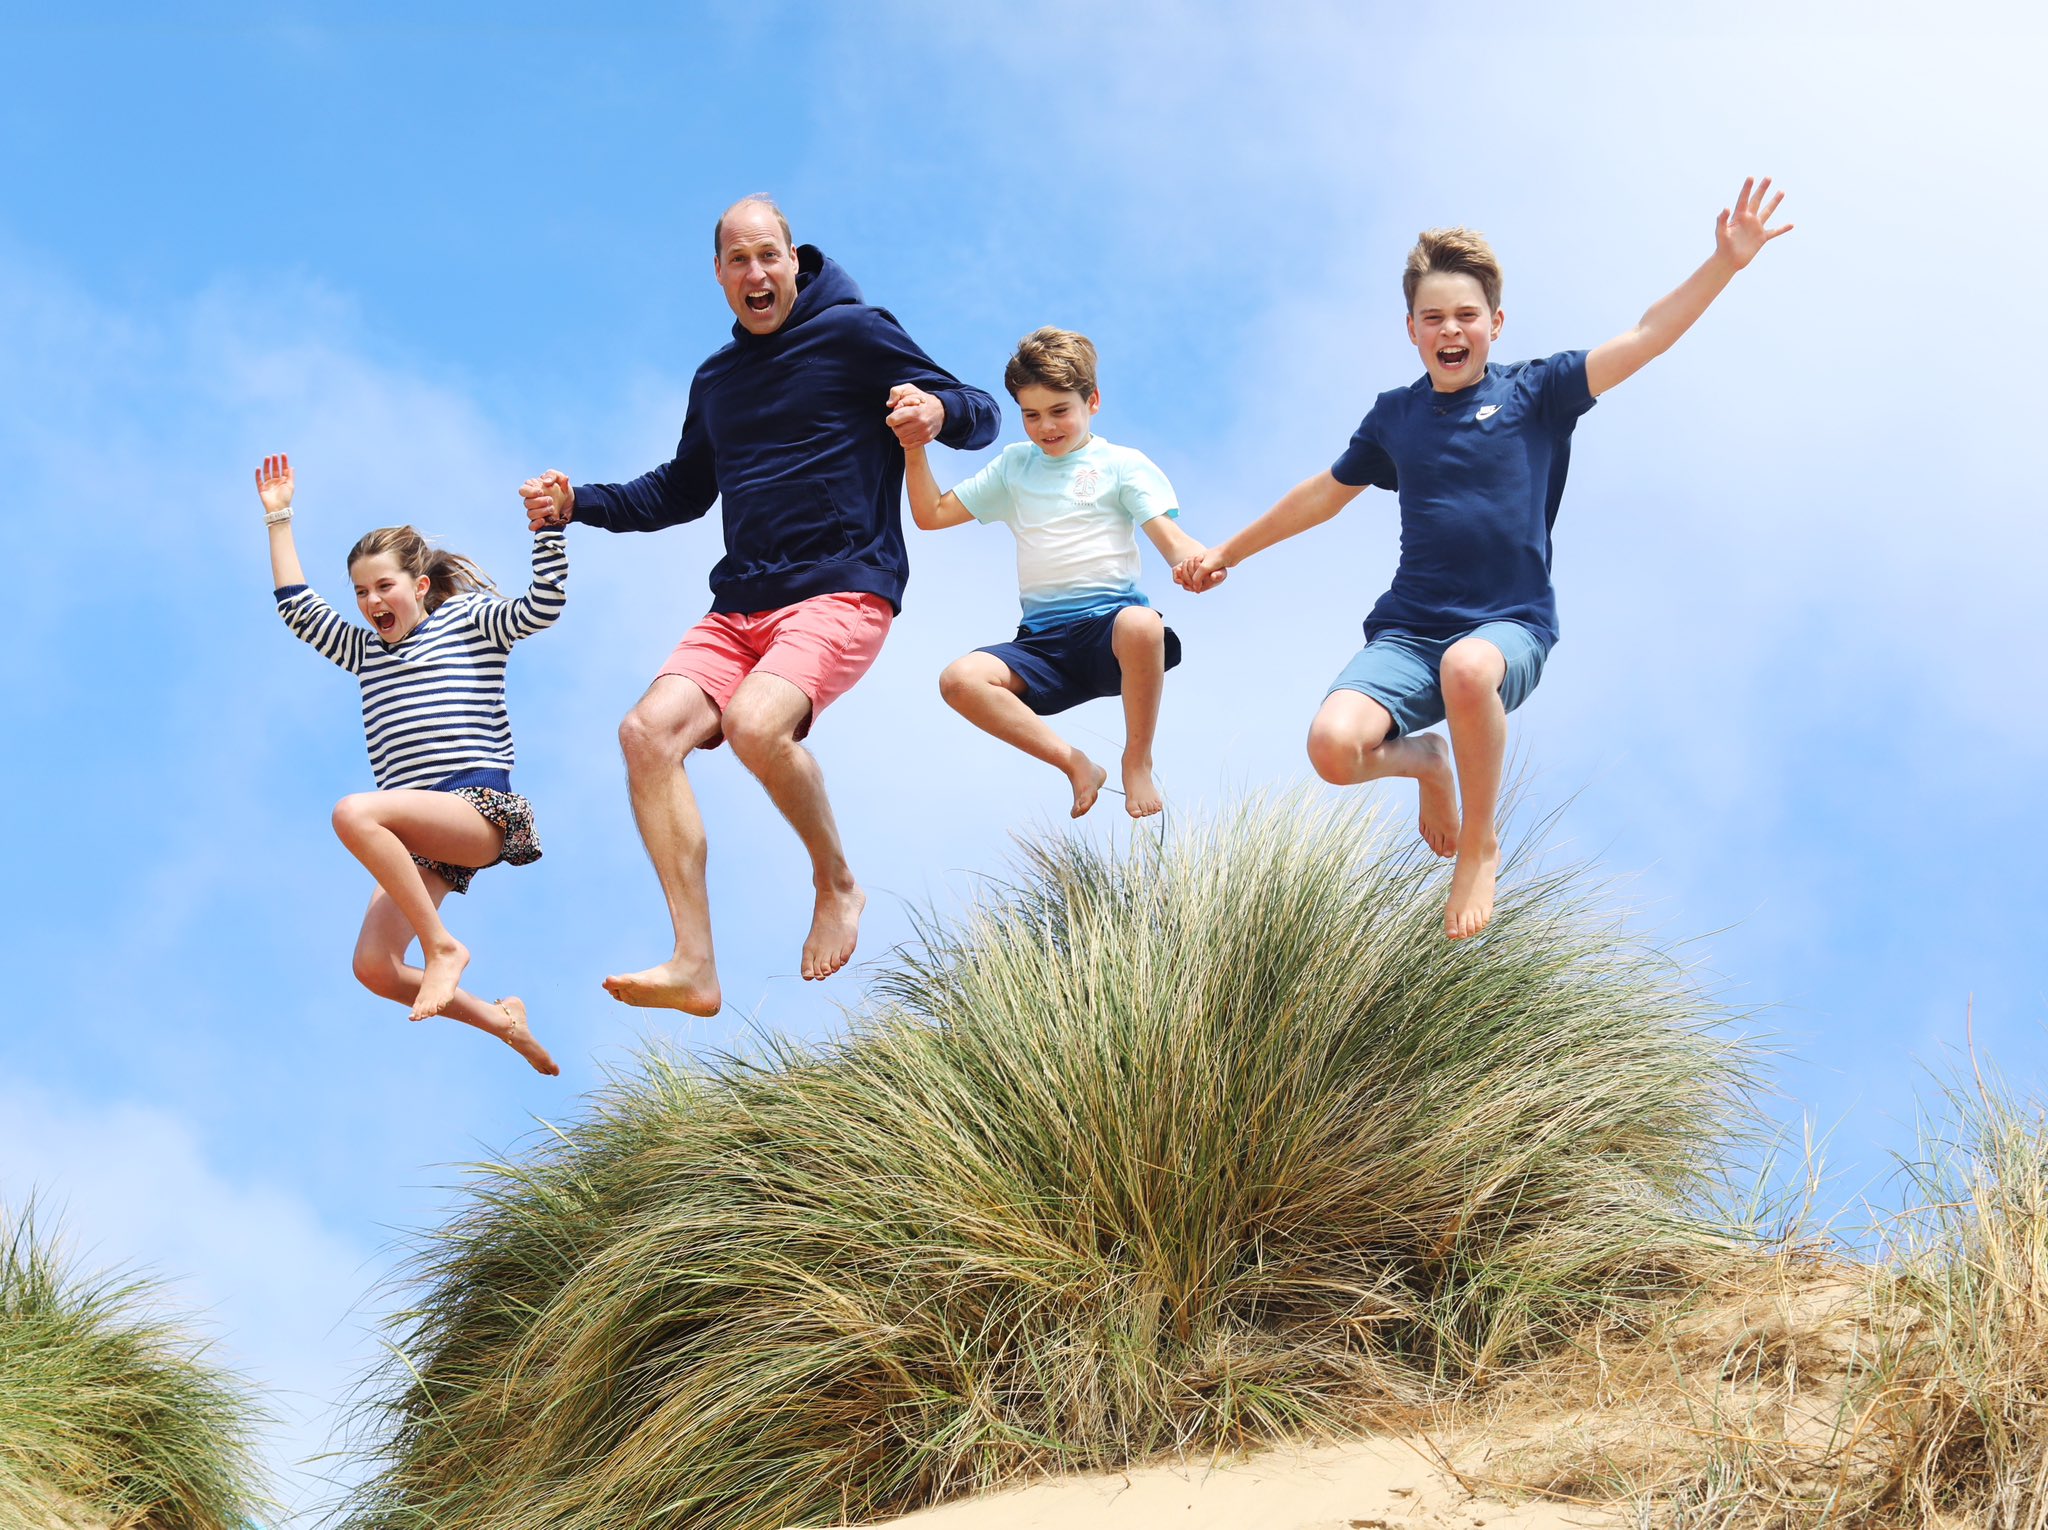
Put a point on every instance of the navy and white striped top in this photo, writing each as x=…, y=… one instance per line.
x=434, y=702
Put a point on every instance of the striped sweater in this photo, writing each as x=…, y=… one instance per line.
x=434, y=702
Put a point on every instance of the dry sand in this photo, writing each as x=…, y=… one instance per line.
x=1375, y=1485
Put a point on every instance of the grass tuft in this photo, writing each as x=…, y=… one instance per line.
x=108, y=1409
x=1203, y=1142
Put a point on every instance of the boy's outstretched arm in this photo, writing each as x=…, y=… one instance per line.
x=1174, y=544
x=1308, y=503
x=931, y=510
x=1737, y=238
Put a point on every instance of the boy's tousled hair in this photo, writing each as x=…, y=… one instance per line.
x=1052, y=358
x=448, y=574
x=756, y=199
x=1456, y=252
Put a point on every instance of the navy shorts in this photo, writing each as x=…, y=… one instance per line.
x=1062, y=667
x=1399, y=671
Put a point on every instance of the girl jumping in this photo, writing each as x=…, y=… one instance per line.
x=433, y=680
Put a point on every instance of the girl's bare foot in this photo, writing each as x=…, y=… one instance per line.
x=1141, y=793
x=520, y=1039
x=444, y=968
x=835, y=928
x=1439, y=821
x=690, y=986
x=1087, y=778
x=1470, y=908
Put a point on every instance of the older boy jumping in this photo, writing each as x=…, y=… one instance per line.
x=1478, y=454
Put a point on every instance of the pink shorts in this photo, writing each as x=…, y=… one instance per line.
x=821, y=646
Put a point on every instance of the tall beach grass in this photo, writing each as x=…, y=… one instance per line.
x=110, y=1412
x=1206, y=1141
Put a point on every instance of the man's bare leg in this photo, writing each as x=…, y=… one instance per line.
x=1348, y=744
x=1471, y=675
x=1139, y=641
x=381, y=967
x=761, y=725
x=982, y=689
x=385, y=830
x=671, y=719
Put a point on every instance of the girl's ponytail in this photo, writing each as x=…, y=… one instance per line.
x=447, y=573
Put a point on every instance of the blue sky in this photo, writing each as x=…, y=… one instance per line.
x=1797, y=710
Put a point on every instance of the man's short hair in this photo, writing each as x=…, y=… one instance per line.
x=758, y=199
x=1052, y=358
x=1454, y=252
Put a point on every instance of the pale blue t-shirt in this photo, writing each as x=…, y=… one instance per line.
x=1076, y=519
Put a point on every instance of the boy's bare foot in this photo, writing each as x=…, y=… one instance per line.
x=520, y=1039
x=1439, y=820
x=443, y=976
x=835, y=927
x=1470, y=908
x=1141, y=793
x=1087, y=778
x=691, y=987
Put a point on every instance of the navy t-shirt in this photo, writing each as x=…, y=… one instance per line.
x=1480, y=473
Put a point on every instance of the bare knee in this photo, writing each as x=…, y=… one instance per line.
x=355, y=815
x=1346, y=736
x=1139, y=632
x=1335, y=753
x=378, y=971
x=651, y=737
x=756, y=739
x=1472, y=669
x=962, y=678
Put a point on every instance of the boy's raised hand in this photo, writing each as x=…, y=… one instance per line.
x=274, y=483
x=1740, y=234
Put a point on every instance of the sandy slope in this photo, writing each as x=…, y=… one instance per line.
x=1376, y=1485
x=1380, y=1484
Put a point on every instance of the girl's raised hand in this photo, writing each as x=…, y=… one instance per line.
x=274, y=483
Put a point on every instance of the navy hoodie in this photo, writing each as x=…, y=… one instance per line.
x=785, y=430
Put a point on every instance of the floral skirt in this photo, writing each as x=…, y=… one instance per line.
x=510, y=812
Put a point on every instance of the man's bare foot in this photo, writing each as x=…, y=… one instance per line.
x=1087, y=778
x=835, y=927
x=1470, y=908
x=691, y=987
x=520, y=1039
x=443, y=976
x=1439, y=821
x=1141, y=793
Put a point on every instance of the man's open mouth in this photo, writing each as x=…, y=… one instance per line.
x=760, y=302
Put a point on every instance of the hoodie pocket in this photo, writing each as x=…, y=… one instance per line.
x=788, y=527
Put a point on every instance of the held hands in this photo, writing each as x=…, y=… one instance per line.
x=1739, y=236
x=274, y=484
x=915, y=416
x=1201, y=573
x=550, y=500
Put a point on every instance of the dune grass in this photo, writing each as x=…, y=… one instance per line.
x=1209, y=1140
x=108, y=1409
x=1895, y=1380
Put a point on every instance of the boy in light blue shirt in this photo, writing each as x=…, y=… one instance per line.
x=1075, y=502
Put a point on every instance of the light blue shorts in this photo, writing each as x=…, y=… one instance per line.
x=1399, y=671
